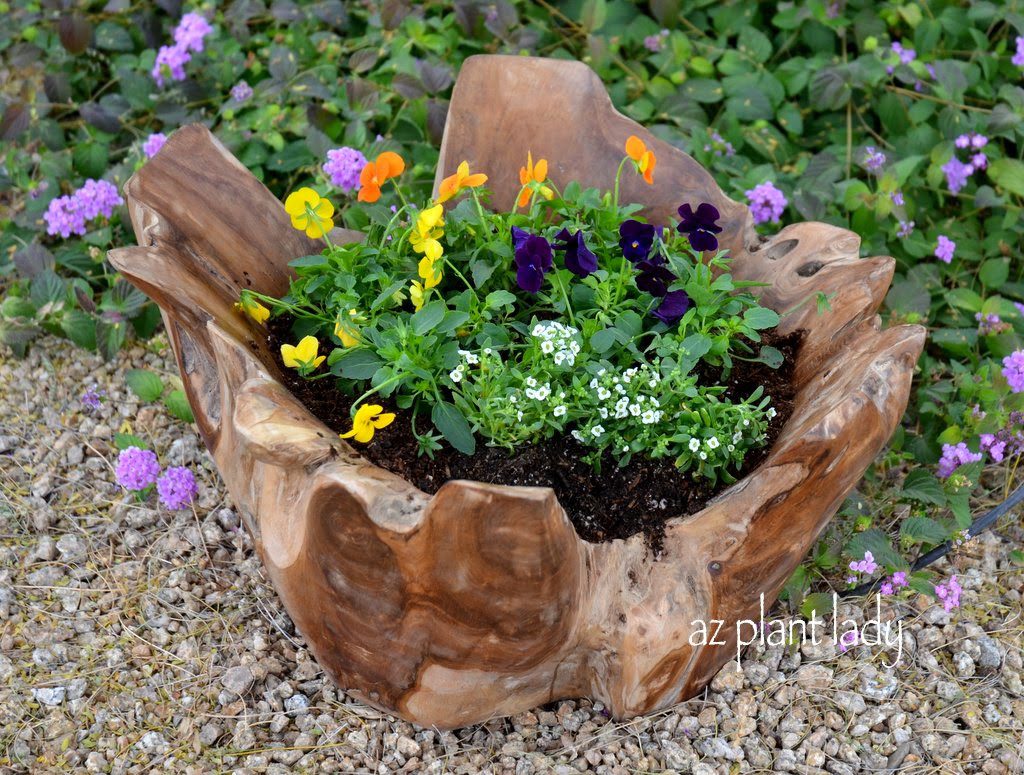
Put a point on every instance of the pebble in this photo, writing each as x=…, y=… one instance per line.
x=237, y=680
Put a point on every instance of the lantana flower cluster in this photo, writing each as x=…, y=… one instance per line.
x=569, y=315
x=189, y=38
x=958, y=172
x=71, y=213
x=138, y=470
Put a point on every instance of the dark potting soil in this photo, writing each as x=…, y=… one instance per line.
x=615, y=503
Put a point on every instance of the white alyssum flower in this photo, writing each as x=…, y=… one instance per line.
x=471, y=358
x=694, y=445
x=597, y=430
x=531, y=382
x=455, y=375
x=603, y=394
x=736, y=437
x=770, y=414
x=703, y=456
x=577, y=435
x=713, y=442
x=649, y=417
x=559, y=411
x=547, y=347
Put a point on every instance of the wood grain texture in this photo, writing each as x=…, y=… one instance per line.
x=481, y=600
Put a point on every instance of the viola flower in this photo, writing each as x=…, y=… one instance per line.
x=136, y=468
x=874, y=159
x=672, y=307
x=416, y=294
x=847, y=641
x=1013, y=370
x=532, y=178
x=636, y=239
x=644, y=159
x=700, y=226
x=376, y=173
x=579, y=259
x=310, y=212
x=428, y=231
x=177, y=488
x=654, y=277
x=430, y=273
x=302, y=356
x=462, y=178
x=252, y=308
x=866, y=565
x=153, y=144
x=897, y=198
x=343, y=167
x=766, y=202
x=346, y=330
x=533, y=259
x=92, y=398
x=369, y=418
x=906, y=229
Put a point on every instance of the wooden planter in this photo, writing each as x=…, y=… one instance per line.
x=481, y=600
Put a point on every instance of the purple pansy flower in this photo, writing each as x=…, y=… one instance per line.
x=700, y=226
x=672, y=307
x=636, y=239
x=579, y=259
x=654, y=277
x=533, y=259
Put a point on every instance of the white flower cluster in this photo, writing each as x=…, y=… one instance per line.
x=557, y=340
x=622, y=398
x=536, y=391
x=469, y=358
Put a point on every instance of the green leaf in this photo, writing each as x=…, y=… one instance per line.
x=994, y=273
x=177, y=404
x=80, y=328
x=47, y=290
x=428, y=317
x=498, y=299
x=125, y=440
x=318, y=260
x=818, y=604
x=760, y=318
x=109, y=338
x=770, y=357
x=875, y=541
x=145, y=384
x=357, y=364
x=90, y=159
x=695, y=346
x=1008, y=174
x=453, y=426
x=602, y=340
x=922, y=486
x=923, y=530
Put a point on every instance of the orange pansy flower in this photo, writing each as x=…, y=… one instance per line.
x=645, y=160
x=533, y=174
x=453, y=184
x=388, y=165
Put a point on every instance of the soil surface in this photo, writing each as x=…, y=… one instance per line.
x=615, y=503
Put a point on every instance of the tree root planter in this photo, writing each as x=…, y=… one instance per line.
x=481, y=600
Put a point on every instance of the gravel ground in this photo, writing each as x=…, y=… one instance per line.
x=133, y=638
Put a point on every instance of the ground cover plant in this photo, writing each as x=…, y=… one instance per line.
x=901, y=121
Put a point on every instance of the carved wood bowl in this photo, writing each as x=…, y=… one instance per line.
x=481, y=600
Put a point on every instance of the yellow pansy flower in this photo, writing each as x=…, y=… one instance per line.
x=347, y=330
x=303, y=355
x=531, y=174
x=369, y=418
x=253, y=309
x=416, y=294
x=427, y=232
x=453, y=184
x=310, y=212
x=431, y=274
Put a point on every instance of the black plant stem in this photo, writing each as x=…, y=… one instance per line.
x=978, y=526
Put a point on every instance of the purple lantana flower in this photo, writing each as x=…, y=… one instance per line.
x=700, y=226
x=944, y=249
x=949, y=593
x=672, y=307
x=69, y=214
x=1018, y=57
x=191, y=31
x=177, y=487
x=579, y=259
x=153, y=144
x=343, y=167
x=136, y=468
x=874, y=159
x=533, y=259
x=241, y=91
x=636, y=239
x=906, y=229
x=766, y=202
x=1013, y=370
x=957, y=174
x=954, y=456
